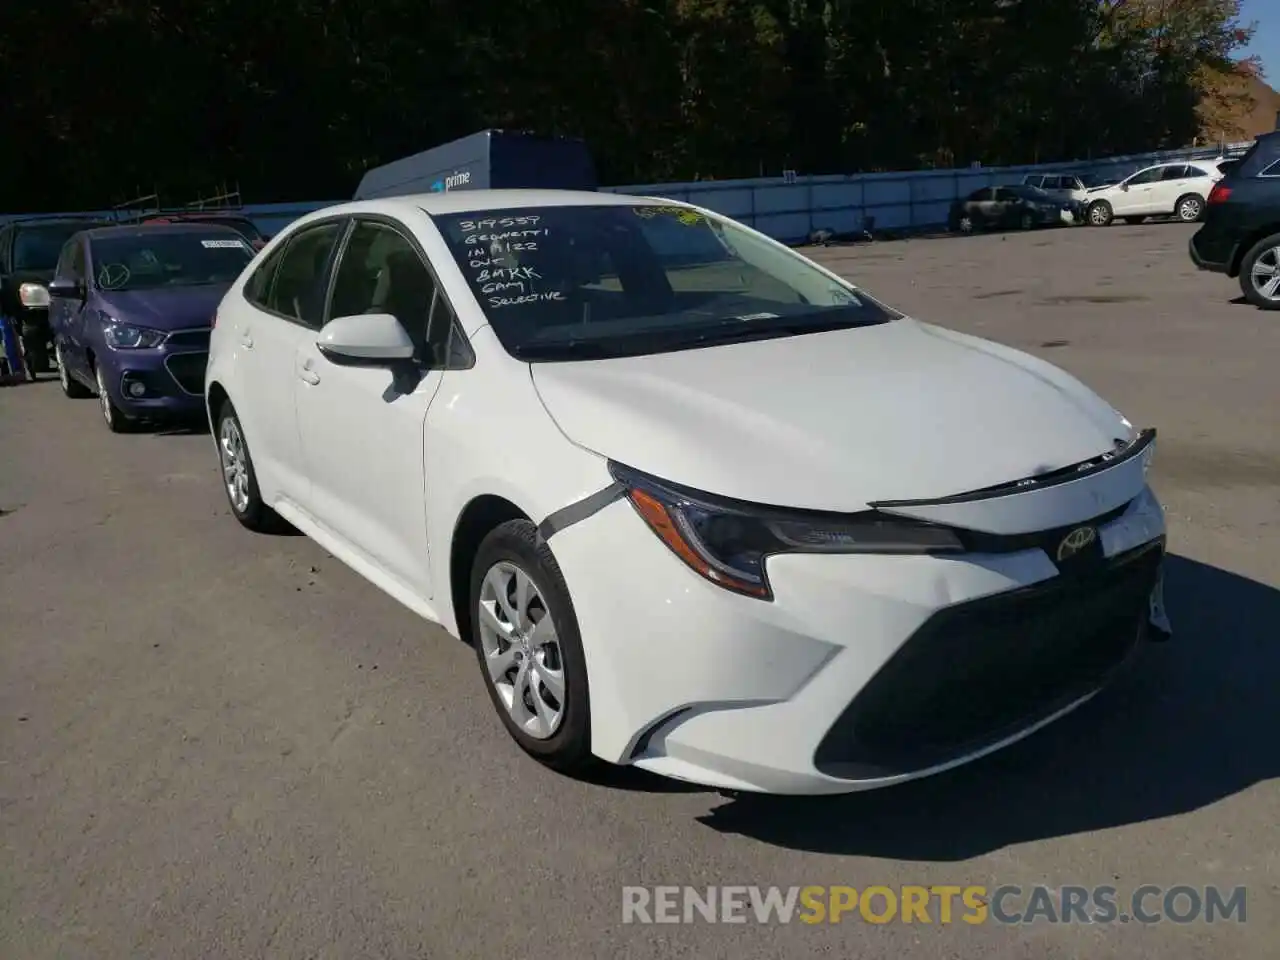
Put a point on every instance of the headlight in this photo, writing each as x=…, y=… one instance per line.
x=125, y=336
x=33, y=295
x=727, y=541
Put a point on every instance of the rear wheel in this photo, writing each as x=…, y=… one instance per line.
x=1189, y=208
x=1260, y=273
x=239, y=479
x=1026, y=221
x=1099, y=214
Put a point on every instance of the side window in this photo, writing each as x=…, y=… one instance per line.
x=63, y=269
x=1197, y=172
x=1271, y=171
x=258, y=287
x=297, y=290
x=1150, y=175
x=1032, y=180
x=1178, y=172
x=381, y=272
x=1004, y=194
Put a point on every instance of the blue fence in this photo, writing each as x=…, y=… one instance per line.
x=791, y=208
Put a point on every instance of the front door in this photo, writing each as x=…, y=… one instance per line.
x=68, y=316
x=362, y=426
x=1135, y=196
x=287, y=293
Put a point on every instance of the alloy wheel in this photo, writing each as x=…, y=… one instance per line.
x=521, y=650
x=1265, y=274
x=104, y=398
x=235, y=466
x=1189, y=210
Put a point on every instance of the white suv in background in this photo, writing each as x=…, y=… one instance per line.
x=1175, y=189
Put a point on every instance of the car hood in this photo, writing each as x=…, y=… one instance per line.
x=835, y=420
x=165, y=308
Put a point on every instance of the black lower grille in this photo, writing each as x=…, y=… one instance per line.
x=188, y=370
x=977, y=672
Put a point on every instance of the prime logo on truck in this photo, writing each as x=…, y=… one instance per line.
x=489, y=160
x=451, y=181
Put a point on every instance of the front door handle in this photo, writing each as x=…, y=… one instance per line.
x=309, y=376
x=246, y=340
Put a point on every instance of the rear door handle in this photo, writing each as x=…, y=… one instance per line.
x=246, y=340
x=309, y=376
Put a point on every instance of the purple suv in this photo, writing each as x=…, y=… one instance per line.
x=131, y=308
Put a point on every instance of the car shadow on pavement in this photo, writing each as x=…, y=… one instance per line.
x=1195, y=723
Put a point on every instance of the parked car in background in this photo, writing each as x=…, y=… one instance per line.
x=1177, y=189
x=1068, y=187
x=1013, y=206
x=666, y=476
x=132, y=307
x=241, y=224
x=28, y=252
x=1241, y=232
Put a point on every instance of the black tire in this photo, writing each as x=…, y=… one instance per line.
x=1026, y=221
x=1099, y=214
x=71, y=387
x=1189, y=208
x=568, y=748
x=116, y=419
x=254, y=514
x=1268, y=247
x=1134, y=221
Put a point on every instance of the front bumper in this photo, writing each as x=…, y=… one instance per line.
x=864, y=671
x=171, y=377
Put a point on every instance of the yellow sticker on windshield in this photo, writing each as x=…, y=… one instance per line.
x=683, y=215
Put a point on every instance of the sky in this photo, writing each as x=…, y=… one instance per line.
x=1265, y=14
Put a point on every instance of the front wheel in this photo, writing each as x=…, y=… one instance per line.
x=116, y=420
x=526, y=638
x=1099, y=214
x=72, y=387
x=1190, y=208
x=1260, y=273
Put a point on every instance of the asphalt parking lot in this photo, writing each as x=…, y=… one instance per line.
x=217, y=744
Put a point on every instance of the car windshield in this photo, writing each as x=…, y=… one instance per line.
x=38, y=247
x=161, y=258
x=586, y=282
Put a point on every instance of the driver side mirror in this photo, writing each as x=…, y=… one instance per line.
x=367, y=339
x=1124, y=186
x=68, y=289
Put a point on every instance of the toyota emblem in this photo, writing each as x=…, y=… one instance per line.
x=1075, y=541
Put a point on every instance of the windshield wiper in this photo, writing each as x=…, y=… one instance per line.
x=738, y=331
x=565, y=349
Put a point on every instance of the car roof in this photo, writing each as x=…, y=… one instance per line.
x=464, y=201
x=25, y=222
x=152, y=229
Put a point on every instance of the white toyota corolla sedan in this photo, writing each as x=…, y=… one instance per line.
x=699, y=504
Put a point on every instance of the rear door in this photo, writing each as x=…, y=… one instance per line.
x=286, y=304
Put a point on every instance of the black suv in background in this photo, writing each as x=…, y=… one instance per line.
x=29, y=252
x=1241, y=232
